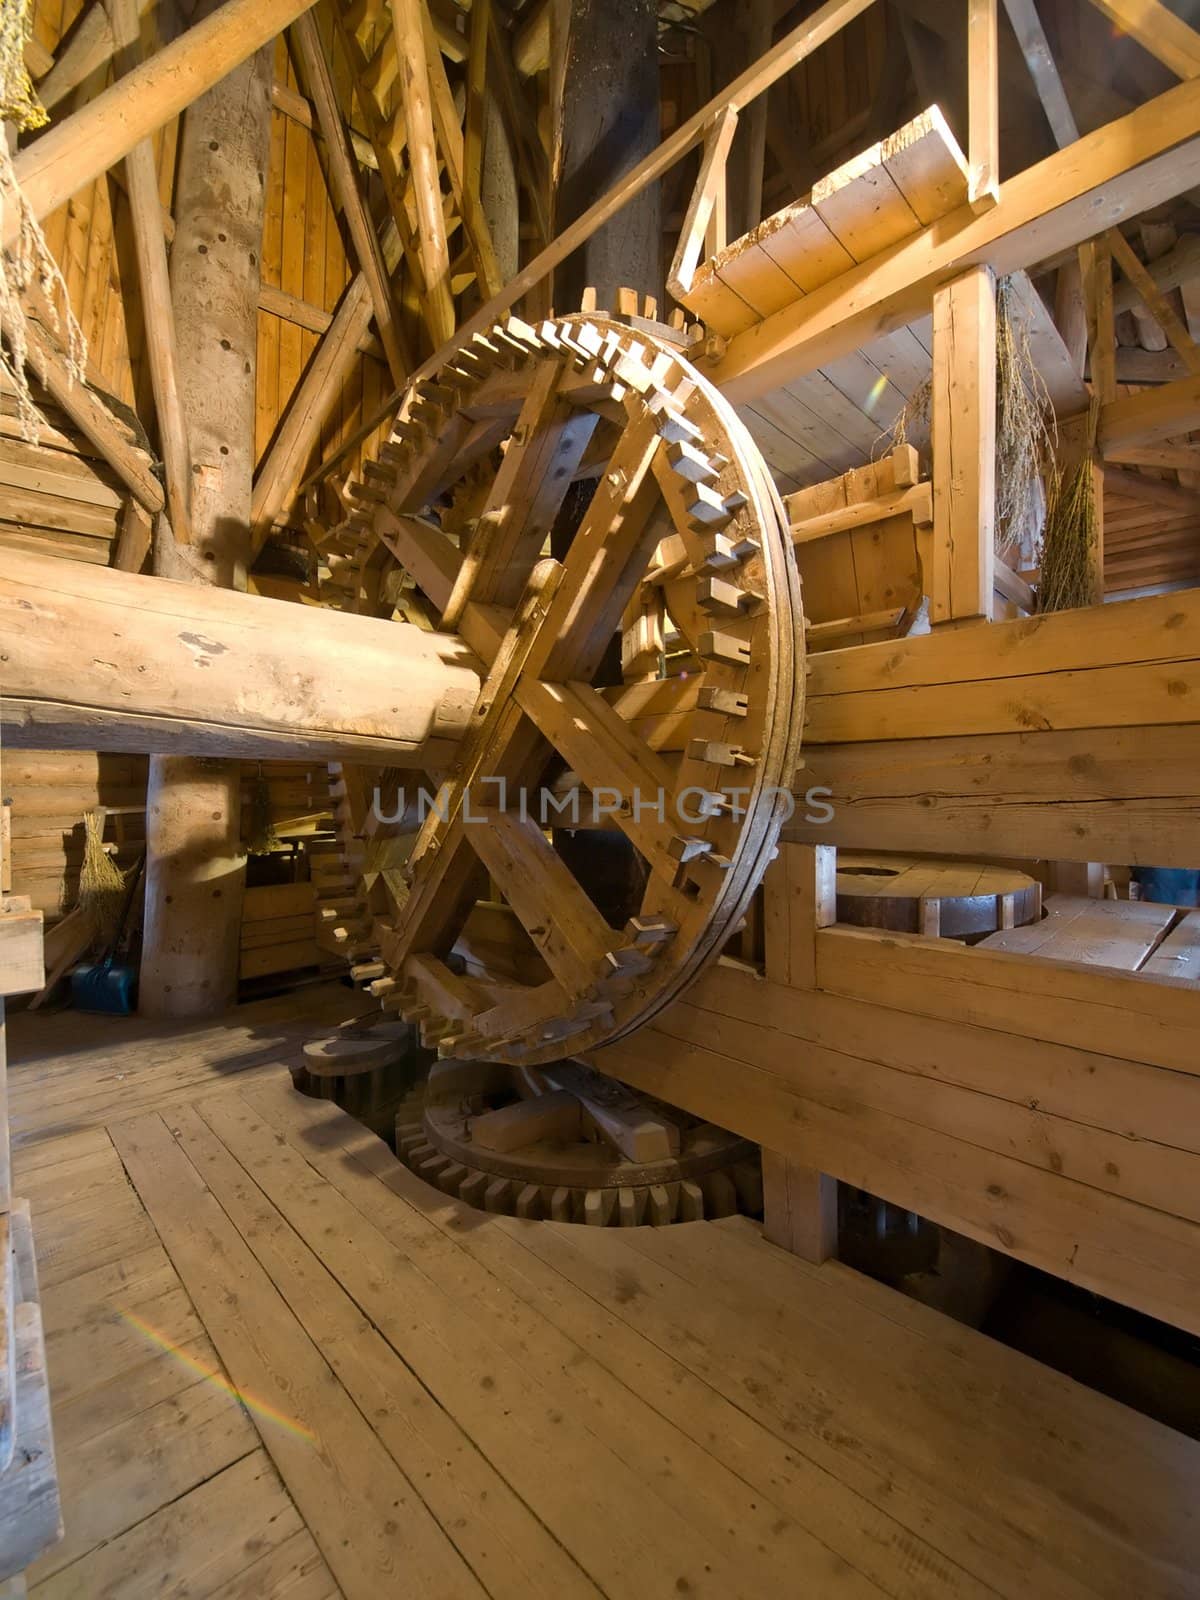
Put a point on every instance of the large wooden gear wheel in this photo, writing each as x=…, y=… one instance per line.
x=485, y=935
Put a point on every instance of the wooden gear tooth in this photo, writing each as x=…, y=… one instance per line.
x=717, y=597
x=718, y=754
x=724, y=647
x=690, y=463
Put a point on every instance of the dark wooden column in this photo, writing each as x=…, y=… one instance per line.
x=604, y=73
x=195, y=868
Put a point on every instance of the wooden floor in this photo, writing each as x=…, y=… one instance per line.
x=283, y=1366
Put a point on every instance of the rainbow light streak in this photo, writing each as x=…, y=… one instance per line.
x=259, y=1407
x=876, y=394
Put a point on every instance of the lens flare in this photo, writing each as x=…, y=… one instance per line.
x=217, y=1379
x=876, y=394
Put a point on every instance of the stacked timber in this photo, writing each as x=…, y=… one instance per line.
x=279, y=930
x=49, y=792
x=56, y=498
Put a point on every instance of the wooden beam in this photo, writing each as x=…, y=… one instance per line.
x=964, y=447
x=449, y=134
x=1114, y=794
x=415, y=96
x=531, y=43
x=1151, y=417
x=104, y=660
x=134, y=539
x=476, y=106
x=158, y=317
x=300, y=110
x=1035, y=47
x=1142, y=160
x=915, y=501
x=702, y=212
x=111, y=437
x=1096, y=264
x=333, y=360
x=74, y=152
x=347, y=194
x=1155, y=302
x=1159, y=30
x=983, y=102
x=1179, y=266
x=291, y=308
x=89, y=47
x=758, y=23
x=424, y=551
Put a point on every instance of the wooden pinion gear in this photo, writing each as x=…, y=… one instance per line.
x=568, y=1144
x=475, y=926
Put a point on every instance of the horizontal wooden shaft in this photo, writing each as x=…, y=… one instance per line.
x=96, y=659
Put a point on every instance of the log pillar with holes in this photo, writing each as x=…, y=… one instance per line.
x=605, y=70
x=195, y=867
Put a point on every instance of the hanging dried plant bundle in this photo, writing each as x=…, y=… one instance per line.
x=1026, y=437
x=263, y=837
x=29, y=275
x=101, y=882
x=1069, y=542
x=1025, y=432
x=912, y=420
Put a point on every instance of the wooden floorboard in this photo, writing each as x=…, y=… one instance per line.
x=282, y=1366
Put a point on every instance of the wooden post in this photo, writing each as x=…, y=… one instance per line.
x=983, y=104
x=799, y=1208
x=1098, y=298
x=964, y=446
x=343, y=178
x=150, y=247
x=606, y=123
x=416, y=100
x=194, y=863
x=319, y=390
x=195, y=874
x=799, y=896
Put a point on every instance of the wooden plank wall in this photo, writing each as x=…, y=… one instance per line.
x=1046, y=1109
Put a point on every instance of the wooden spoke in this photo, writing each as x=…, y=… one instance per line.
x=683, y=520
x=612, y=761
x=606, y=561
x=546, y=447
x=575, y=942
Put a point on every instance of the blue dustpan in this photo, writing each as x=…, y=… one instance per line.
x=104, y=986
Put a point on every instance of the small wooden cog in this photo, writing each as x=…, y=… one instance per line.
x=571, y=1145
x=484, y=922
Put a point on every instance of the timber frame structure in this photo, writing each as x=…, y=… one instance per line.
x=1042, y=1104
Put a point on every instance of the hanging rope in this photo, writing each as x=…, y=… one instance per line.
x=28, y=272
